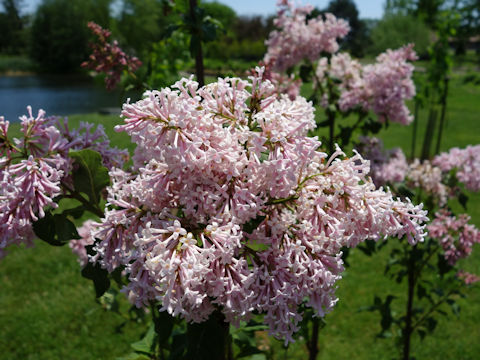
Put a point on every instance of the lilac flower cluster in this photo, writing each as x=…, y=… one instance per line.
x=465, y=161
x=282, y=83
x=456, y=236
x=78, y=246
x=430, y=179
x=390, y=166
x=386, y=166
x=109, y=58
x=299, y=38
x=468, y=278
x=340, y=67
x=35, y=169
x=230, y=206
x=382, y=87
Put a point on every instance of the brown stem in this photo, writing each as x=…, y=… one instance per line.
x=442, y=114
x=414, y=128
x=313, y=341
x=411, y=293
x=76, y=195
x=331, y=122
x=199, y=69
x=432, y=309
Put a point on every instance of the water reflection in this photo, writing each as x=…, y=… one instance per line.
x=56, y=94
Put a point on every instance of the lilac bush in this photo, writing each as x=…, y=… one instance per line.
x=231, y=206
x=109, y=58
x=36, y=169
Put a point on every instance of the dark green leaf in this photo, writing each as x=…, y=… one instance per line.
x=403, y=190
x=44, y=228
x=99, y=276
x=431, y=324
x=55, y=229
x=463, y=199
x=134, y=356
x=179, y=345
x=443, y=266
x=147, y=344
x=163, y=326
x=369, y=247
x=207, y=340
x=65, y=229
x=250, y=226
x=90, y=176
x=76, y=212
x=305, y=73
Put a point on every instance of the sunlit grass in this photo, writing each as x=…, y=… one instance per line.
x=48, y=311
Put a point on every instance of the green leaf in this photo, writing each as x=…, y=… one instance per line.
x=250, y=226
x=305, y=72
x=443, y=266
x=264, y=156
x=44, y=228
x=369, y=247
x=147, y=344
x=99, y=276
x=134, y=356
x=207, y=340
x=403, y=190
x=431, y=324
x=91, y=177
x=463, y=199
x=76, y=212
x=179, y=345
x=56, y=229
x=163, y=326
x=65, y=229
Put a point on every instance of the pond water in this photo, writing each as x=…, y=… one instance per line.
x=56, y=94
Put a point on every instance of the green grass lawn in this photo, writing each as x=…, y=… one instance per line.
x=48, y=311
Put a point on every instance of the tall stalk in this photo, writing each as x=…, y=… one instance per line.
x=414, y=128
x=209, y=340
x=409, y=310
x=199, y=68
x=427, y=141
x=443, y=102
x=331, y=124
x=312, y=343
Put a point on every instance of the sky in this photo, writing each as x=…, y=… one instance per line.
x=371, y=9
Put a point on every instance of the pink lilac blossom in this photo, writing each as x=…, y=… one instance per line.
x=34, y=170
x=109, y=58
x=383, y=87
x=345, y=71
x=229, y=205
x=467, y=277
x=282, y=83
x=299, y=38
x=455, y=235
x=465, y=161
x=386, y=166
x=429, y=178
x=78, y=246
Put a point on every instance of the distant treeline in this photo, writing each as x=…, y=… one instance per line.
x=56, y=38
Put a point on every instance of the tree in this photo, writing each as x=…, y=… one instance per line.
x=357, y=38
x=141, y=23
x=394, y=30
x=11, y=26
x=469, y=24
x=59, y=32
x=223, y=13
